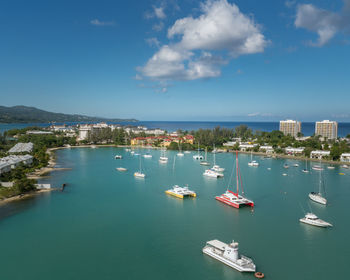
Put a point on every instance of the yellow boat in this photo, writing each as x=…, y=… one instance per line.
x=180, y=192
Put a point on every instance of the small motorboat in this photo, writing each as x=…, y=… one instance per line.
x=121, y=169
x=118, y=157
x=312, y=219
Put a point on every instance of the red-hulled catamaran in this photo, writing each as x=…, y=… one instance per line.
x=234, y=199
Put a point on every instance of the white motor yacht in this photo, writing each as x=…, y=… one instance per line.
x=313, y=220
x=229, y=255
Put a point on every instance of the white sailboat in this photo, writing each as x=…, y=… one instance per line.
x=205, y=162
x=305, y=170
x=180, y=153
x=163, y=158
x=216, y=167
x=252, y=162
x=317, y=197
x=139, y=174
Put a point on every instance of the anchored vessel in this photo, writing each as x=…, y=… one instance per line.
x=252, y=162
x=163, y=158
x=313, y=220
x=118, y=157
x=139, y=173
x=228, y=254
x=317, y=196
x=212, y=173
x=216, y=167
x=205, y=162
x=180, y=192
x=121, y=169
x=148, y=155
x=234, y=199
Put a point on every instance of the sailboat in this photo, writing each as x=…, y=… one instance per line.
x=198, y=155
x=163, y=158
x=305, y=170
x=216, y=167
x=317, y=197
x=180, y=153
x=252, y=162
x=205, y=162
x=234, y=199
x=139, y=174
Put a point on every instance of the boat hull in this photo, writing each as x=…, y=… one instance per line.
x=323, y=225
x=208, y=252
x=231, y=203
x=317, y=198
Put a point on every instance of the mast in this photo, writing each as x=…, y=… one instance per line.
x=140, y=163
x=237, y=170
x=205, y=153
x=214, y=155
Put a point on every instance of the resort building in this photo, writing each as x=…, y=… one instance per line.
x=294, y=151
x=229, y=144
x=290, y=127
x=327, y=129
x=21, y=148
x=38, y=132
x=319, y=154
x=11, y=162
x=345, y=157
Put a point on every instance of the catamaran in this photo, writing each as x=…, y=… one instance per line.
x=317, y=196
x=212, y=173
x=205, y=162
x=180, y=192
x=139, y=173
x=228, y=254
x=252, y=162
x=198, y=156
x=234, y=199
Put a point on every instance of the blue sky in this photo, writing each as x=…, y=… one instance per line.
x=178, y=60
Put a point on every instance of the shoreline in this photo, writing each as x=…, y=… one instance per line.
x=18, y=197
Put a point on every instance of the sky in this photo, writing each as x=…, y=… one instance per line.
x=215, y=60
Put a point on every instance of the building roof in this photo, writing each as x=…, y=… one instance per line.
x=22, y=148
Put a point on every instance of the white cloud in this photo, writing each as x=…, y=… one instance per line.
x=158, y=26
x=153, y=42
x=198, y=43
x=159, y=12
x=325, y=23
x=221, y=26
x=101, y=23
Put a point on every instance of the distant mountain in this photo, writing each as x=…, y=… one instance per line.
x=24, y=114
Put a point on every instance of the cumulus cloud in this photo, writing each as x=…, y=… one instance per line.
x=325, y=23
x=97, y=22
x=157, y=12
x=198, y=44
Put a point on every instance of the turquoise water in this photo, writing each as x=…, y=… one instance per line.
x=110, y=225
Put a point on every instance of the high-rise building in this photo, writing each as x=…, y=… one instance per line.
x=290, y=127
x=327, y=129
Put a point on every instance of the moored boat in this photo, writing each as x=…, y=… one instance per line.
x=312, y=219
x=118, y=156
x=212, y=173
x=234, y=199
x=317, y=167
x=122, y=169
x=180, y=192
x=229, y=255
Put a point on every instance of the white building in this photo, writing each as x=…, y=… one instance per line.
x=11, y=162
x=345, y=157
x=266, y=149
x=319, y=154
x=327, y=129
x=294, y=151
x=22, y=148
x=229, y=144
x=244, y=147
x=84, y=131
x=290, y=127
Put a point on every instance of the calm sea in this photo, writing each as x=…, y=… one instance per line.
x=110, y=225
x=308, y=128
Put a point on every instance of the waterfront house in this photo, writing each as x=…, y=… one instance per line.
x=266, y=149
x=345, y=157
x=294, y=151
x=319, y=154
x=245, y=146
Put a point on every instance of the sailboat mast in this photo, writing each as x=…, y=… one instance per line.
x=214, y=155
x=237, y=170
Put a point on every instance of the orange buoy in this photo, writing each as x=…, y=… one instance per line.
x=259, y=275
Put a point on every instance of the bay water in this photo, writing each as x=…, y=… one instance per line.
x=109, y=225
